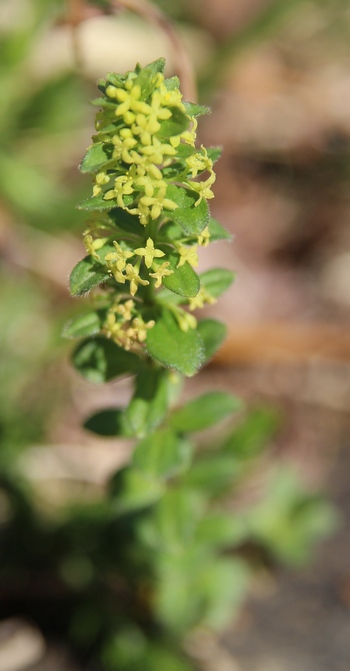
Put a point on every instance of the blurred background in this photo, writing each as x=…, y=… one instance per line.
x=276, y=74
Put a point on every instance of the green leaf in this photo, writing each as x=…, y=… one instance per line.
x=100, y=360
x=162, y=454
x=178, y=601
x=82, y=326
x=170, y=231
x=112, y=77
x=172, y=83
x=185, y=150
x=177, y=123
x=213, y=334
x=132, y=490
x=95, y=158
x=204, y=411
x=217, y=280
x=192, y=218
x=147, y=76
x=104, y=102
x=175, y=348
x=223, y=585
x=253, y=433
x=85, y=275
x=96, y=203
x=184, y=281
x=288, y=520
x=193, y=109
x=109, y=422
x=149, y=403
x=213, y=473
x=214, y=153
x=218, y=232
x=129, y=223
x=221, y=530
x=177, y=516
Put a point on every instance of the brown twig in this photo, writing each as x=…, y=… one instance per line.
x=182, y=62
x=75, y=15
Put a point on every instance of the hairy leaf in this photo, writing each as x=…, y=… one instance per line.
x=100, y=360
x=213, y=333
x=191, y=217
x=95, y=158
x=177, y=123
x=217, y=280
x=83, y=326
x=149, y=404
x=184, y=280
x=162, y=454
x=204, y=411
x=175, y=348
x=85, y=275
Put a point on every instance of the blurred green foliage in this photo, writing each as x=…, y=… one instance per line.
x=122, y=580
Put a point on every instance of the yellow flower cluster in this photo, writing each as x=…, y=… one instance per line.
x=148, y=141
x=123, y=327
x=117, y=264
x=140, y=187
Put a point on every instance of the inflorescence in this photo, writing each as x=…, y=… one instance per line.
x=149, y=201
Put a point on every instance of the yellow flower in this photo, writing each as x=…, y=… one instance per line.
x=125, y=309
x=140, y=328
x=149, y=252
x=188, y=254
x=203, y=188
x=162, y=271
x=119, y=257
x=132, y=274
x=92, y=245
x=204, y=237
x=186, y=321
x=152, y=206
x=123, y=186
x=202, y=297
x=199, y=162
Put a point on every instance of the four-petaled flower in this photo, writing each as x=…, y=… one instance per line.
x=202, y=297
x=149, y=252
x=203, y=188
x=188, y=254
x=119, y=257
x=132, y=274
x=162, y=271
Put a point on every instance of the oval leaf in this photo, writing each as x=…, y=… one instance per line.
x=83, y=326
x=191, y=217
x=218, y=232
x=217, y=280
x=213, y=334
x=184, y=281
x=108, y=422
x=96, y=203
x=149, y=403
x=204, y=411
x=101, y=360
x=131, y=490
x=175, y=348
x=177, y=123
x=86, y=275
x=95, y=158
x=162, y=454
